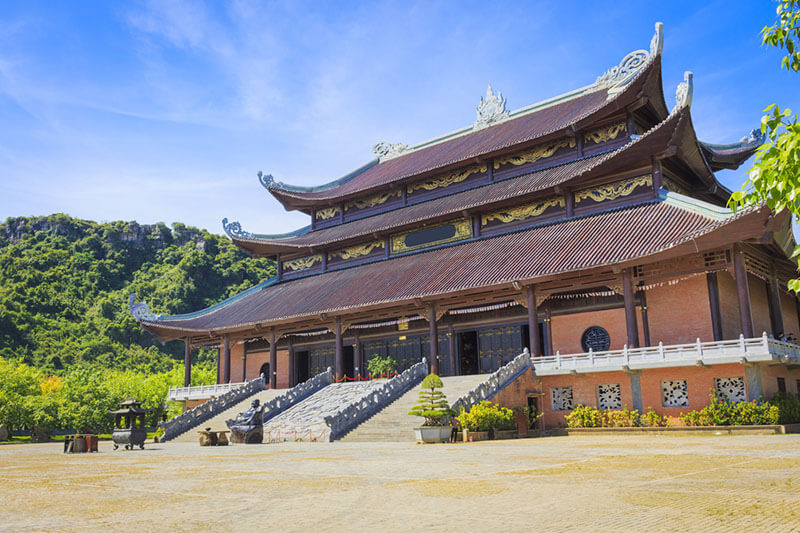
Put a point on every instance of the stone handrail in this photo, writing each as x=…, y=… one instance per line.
x=758, y=349
x=205, y=411
x=296, y=394
x=199, y=392
x=494, y=383
x=359, y=411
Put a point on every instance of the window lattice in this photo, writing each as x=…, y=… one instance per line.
x=595, y=338
x=561, y=398
x=674, y=393
x=609, y=396
x=730, y=389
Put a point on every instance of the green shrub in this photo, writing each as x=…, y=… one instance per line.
x=584, y=416
x=432, y=404
x=485, y=416
x=381, y=365
x=721, y=412
x=788, y=408
x=652, y=419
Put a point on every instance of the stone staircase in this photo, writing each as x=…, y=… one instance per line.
x=394, y=424
x=217, y=423
x=309, y=415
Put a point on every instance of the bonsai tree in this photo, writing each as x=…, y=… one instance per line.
x=432, y=404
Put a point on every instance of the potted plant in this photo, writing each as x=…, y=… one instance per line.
x=433, y=407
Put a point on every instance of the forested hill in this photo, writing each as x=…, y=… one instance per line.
x=64, y=286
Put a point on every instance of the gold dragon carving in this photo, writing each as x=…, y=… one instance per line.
x=540, y=152
x=524, y=211
x=446, y=180
x=614, y=190
x=606, y=133
x=302, y=263
x=372, y=201
x=463, y=230
x=357, y=251
x=326, y=213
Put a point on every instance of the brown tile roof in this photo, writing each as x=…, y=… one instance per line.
x=530, y=126
x=674, y=224
x=641, y=149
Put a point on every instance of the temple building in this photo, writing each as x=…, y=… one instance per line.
x=589, y=228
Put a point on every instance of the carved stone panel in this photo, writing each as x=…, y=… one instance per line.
x=730, y=389
x=674, y=393
x=561, y=398
x=609, y=396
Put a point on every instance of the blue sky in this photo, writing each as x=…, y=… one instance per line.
x=166, y=110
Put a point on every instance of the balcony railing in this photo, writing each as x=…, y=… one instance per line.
x=741, y=350
x=201, y=392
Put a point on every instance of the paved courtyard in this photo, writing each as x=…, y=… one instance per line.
x=579, y=483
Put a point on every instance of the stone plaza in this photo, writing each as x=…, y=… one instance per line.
x=623, y=482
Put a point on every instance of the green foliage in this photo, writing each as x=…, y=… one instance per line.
x=775, y=176
x=378, y=365
x=788, y=408
x=64, y=286
x=485, y=416
x=584, y=416
x=720, y=412
x=432, y=404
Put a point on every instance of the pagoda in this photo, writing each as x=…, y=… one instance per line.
x=587, y=223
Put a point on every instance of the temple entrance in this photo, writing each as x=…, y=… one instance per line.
x=264, y=371
x=349, y=362
x=526, y=339
x=468, y=352
x=301, y=360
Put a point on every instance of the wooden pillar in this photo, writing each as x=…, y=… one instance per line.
x=775, y=311
x=713, y=303
x=533, y=322
x=226, y=359
x=218, y=365
x=338, y=360
x=743, y=292
x=547, y=349
x=645, y=322
x=244, y=362
x=569, y=202
x=451, y=346
x=433, y=333
x=292, y=363
x=273, y=360
x=630, y=309
x=658, y=175
x=187, y=363
x=357, y=356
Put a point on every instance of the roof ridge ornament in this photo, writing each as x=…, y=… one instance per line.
x=386, y=150
x=139, y=310
x=266, y=180
x=491, y=109
x=234, y=229
x=684, y=92
x=617, y=78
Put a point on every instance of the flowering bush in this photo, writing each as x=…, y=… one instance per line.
x=485, y=416
x=788, y=408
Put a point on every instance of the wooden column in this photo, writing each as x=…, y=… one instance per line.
x=292, y=363
x=273, y=360
x=743, y=292
x=630, y=309
x=187, y=363
x=244, y=362
x=775, y=311
x=338, y=360
x=645, y=322
x=533, y=322
x=451, y=345
x=226, y=359
x=357, y=356
x=658, y=175
x=569, y=201
x=713, y=303
x=433, y=333
x=218, y=372
x=547, y=349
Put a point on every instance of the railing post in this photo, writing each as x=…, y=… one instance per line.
x=741, y=343
x=558, y=358
x=591, y=356
x=625, y=355
x=661, y=350
x=699, y=348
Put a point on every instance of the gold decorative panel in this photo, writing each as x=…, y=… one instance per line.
x=462, y=229
x=357, y=251
x=614, y=190
x=326, y=213
x=302, y=263
x=524, y=211
x=372, y=201
x=446, y=180
x=606, y=133
x=540, y=152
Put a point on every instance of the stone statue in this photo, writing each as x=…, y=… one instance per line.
x=248, y=427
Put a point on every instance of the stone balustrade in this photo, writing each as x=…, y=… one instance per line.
x=496, y=382
x=356, y=413
x=296, y=394
x=197, y=415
